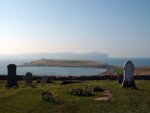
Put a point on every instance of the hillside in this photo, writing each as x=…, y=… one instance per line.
x=29, y=100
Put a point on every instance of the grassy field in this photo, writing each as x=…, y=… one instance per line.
x=28, y=100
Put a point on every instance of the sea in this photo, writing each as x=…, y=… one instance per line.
x=68, y=71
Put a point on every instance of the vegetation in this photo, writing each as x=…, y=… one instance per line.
x=88, y=90
x=29, y=100
x=81, y=91
x=48, y=96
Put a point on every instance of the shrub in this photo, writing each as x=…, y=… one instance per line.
x=48, y=96
x=65, y=82
x=76, y=91
x=38, y=81
x=88, y=92
x=81, y=91
x=97, y=88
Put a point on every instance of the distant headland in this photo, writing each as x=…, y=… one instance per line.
x=66, y=63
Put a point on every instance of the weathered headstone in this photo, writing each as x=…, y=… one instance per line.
x=128, y=80
x=28, y=79
x=45, y=79
x=12, y=77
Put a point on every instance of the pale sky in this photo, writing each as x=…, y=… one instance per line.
x=120, y=28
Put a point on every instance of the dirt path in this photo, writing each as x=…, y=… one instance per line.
x=107, y=95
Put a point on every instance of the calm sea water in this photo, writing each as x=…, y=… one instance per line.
x=59, y=71
x=65, y=71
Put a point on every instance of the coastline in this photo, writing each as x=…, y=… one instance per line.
x=110, y=69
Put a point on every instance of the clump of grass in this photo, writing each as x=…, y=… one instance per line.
x=86, y=90
x=97, y=88
x=65, y=82
x=81, y=91
x=38, y=81
x=48, y=96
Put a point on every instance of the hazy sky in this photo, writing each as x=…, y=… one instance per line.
x=116, y=27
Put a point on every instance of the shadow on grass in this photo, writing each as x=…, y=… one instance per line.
x=143, y=90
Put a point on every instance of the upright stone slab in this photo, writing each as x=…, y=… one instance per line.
x=12, y=77
x=28, y=79
x=45, y=79
x=128, y=80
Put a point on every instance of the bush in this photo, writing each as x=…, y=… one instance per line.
x=97, y=88
x=48, y=96
x=81, y=91
x=88, y=92
x=65, y=82
x=38, y=81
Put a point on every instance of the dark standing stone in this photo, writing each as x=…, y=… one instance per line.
x=11, y=77
x=45, y=79
x=28, y=79
x=128, y=80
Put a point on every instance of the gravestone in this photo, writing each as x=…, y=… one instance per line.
x=128, y=80
x=45, y=79
x=11, y=77
x=28, y=79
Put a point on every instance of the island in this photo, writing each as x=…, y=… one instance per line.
x=111, y=69
x=66, y=63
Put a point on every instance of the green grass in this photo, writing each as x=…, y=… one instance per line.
x=28, y=100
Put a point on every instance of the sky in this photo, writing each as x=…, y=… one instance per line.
x=120, y=28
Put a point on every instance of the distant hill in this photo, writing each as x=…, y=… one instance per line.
x=66, y=55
